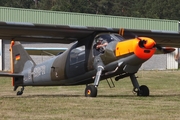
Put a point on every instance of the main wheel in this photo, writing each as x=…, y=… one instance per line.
x=91, y=91
x=19, y=93
x=144, y=91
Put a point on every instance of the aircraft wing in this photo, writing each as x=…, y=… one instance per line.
x=163, y=38
x=68, y=33
x=47, y=33
x=44, y=51
x=8, y=74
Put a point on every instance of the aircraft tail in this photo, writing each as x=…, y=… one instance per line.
x=20, y=59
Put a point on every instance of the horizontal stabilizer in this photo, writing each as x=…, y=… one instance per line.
x=44, y=51
x=8, y=74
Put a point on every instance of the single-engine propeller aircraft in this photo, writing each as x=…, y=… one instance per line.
x=82, y=64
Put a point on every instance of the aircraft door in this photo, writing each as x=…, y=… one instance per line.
x=76, y=62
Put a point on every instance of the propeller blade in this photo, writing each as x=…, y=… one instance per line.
x=168, y=50
x=165, y=49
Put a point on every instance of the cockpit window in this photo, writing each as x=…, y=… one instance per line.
x=77, y=55
x=106, y=37
x=119, y=37
x=111, y=37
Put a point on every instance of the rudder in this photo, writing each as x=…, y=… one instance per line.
x=20, y=59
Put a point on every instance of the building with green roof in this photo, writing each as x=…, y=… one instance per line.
x=81, y=19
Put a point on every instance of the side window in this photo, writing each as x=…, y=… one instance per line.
x=119, y=38
x=77, y=55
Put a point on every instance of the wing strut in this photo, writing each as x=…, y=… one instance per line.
x=121, y=31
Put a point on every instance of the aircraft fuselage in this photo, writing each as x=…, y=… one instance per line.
x=78, y=66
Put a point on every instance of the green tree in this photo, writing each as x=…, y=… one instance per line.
x=2, y=2
x=45, y=4
x=19, y=3
x=81, y=6
x=166, y=9
x=122, y=7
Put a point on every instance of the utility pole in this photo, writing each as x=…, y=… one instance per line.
x=36, y=3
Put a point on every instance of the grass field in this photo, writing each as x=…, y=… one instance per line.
x=119, y=103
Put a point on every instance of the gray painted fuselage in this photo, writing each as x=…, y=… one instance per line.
x=78, y=66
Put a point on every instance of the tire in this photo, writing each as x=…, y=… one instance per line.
x=144, y=91
x=91, y=91
x=19, y=93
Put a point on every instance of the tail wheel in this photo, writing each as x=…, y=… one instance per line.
x=143, y=91
x=91, y=91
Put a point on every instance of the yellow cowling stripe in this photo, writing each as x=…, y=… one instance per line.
x=132, y=46
x=125, y=47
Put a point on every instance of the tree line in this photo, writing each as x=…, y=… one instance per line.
x=157, y=9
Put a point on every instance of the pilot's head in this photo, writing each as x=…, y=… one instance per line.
x=99, y=40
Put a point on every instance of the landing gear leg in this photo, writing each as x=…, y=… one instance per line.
x=15, y=88
x=91, y=90
x=142, y=90
x=20, y=92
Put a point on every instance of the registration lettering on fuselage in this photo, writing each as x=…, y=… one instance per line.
x=38, y=71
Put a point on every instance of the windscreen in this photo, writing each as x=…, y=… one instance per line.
x=111, y=37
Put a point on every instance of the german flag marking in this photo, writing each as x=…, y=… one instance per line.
x=18, y=57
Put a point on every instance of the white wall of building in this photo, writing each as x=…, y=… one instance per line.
x=1, y=54
x=171, y=62
x=157, y=62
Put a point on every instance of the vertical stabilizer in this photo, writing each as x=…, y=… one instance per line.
x=20, y=59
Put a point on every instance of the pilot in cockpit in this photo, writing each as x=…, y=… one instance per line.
x=101, y=44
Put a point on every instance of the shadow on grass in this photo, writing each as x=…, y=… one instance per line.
x=98, y=96
x=41, y=96
x=167, y=95
x=130, y=96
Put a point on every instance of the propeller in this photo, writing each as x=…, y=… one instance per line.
x=150, y=43
x=165, y=49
